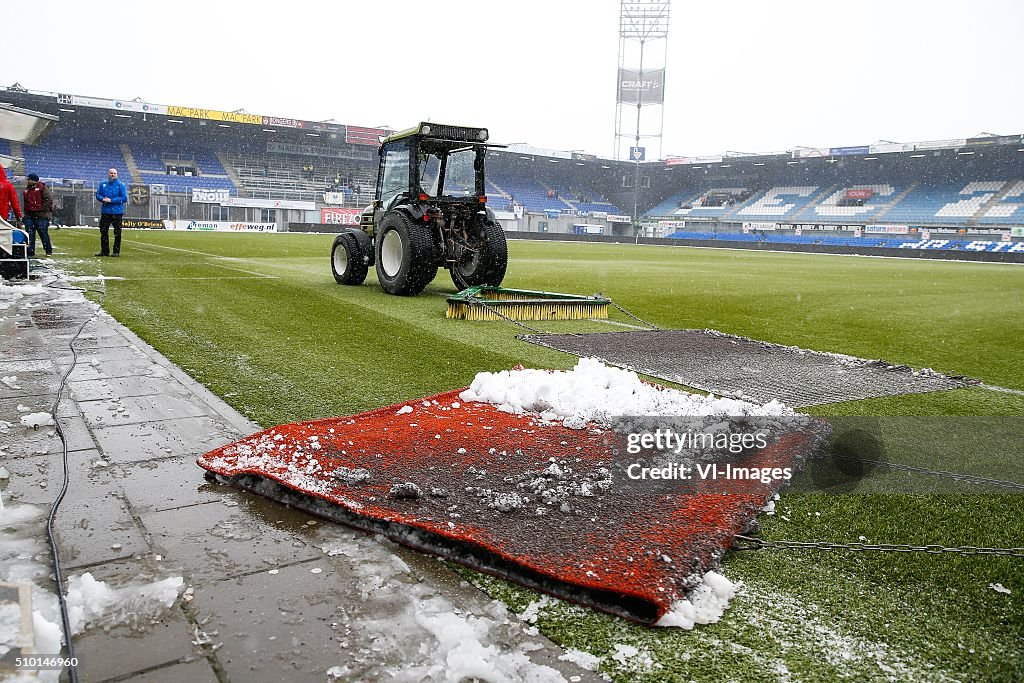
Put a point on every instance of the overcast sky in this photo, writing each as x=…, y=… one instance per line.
x=743, y=75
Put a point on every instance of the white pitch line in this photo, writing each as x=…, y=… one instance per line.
x=212, y=277
x=212, y=256
x=616, y=322
x=1002, y=390
x=243, y=270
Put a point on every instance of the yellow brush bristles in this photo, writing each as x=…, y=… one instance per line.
x=533, y=310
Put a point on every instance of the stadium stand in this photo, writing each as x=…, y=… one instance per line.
x=76, y=153
x=837, y=205
x=321, y=166
x=528, y=191
x=1006, y=206
x=154, y=159
x=279, y=176
x=894, y=200
x=777, y=202
x=898, y=242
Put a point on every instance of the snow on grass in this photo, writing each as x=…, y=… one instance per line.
x=582, y=659
x=793, y=627
x=704, y=605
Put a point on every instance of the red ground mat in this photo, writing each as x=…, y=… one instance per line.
x=509, y=495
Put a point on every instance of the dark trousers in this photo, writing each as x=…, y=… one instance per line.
x=106, y=220
x=34, y=224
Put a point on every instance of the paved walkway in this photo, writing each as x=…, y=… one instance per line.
x=271, y=593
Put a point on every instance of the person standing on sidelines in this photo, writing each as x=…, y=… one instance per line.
x=38, y=201
x=8, y=198
x=113, y=195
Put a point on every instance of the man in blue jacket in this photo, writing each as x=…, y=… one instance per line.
x=113, y=195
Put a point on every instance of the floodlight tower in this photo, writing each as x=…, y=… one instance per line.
x=643, y=44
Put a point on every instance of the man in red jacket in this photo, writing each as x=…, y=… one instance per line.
x=8, y=198
x=38, y=202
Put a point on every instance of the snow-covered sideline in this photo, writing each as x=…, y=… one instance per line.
x=593, y=391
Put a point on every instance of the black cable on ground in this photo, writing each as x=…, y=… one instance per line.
x=65, y=619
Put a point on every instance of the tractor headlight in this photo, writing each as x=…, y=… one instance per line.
x=482, y=135
x=425, y=129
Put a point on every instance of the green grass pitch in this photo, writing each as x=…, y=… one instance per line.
x=260, y=321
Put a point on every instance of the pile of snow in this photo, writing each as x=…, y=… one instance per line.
x=705, y=604
x=22, y=557
x=582, y=659
x=35, y=420
x=18, y=291
x=94, y=602
x=593, y=391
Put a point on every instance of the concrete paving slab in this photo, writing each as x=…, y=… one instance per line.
x=26, y=441
x=94, y=523
x=36, y=479
x=271, y=628
x=17, y=348
x=127, y=410
x=96, y=530
x=198, y=671
x=156, y=485
x=9, y=407
x=92, y=368
x=113, y=387
x=215, y=540
x=10, y=412
x=103, y=655
x=183, y=436
x=358, y=609
x=31, y=378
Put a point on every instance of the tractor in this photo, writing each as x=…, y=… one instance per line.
x=429, y=211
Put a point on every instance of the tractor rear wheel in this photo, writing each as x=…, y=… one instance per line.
x=405, y=255
x=485, y=263
x=348, y=260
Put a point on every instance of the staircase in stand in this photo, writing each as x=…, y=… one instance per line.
x=129, y=160
x=229, y=168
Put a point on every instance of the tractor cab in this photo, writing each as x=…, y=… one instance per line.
x=431, y=163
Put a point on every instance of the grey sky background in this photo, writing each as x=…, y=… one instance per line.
x=741, y=75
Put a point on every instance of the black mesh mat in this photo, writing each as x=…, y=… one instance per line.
x=758, y=371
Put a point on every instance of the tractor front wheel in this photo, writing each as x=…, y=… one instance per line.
x=348, y=260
